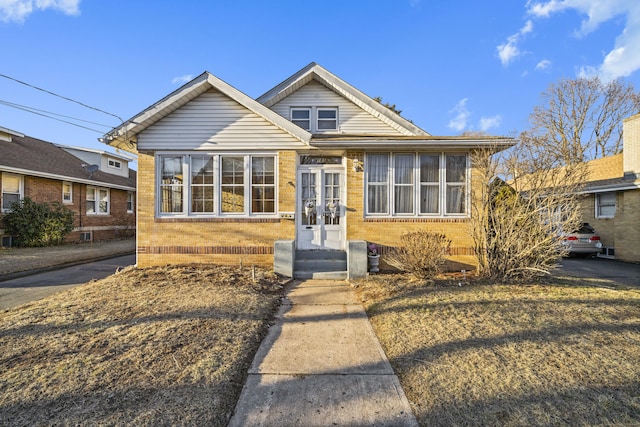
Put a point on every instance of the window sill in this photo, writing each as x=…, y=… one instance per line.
x=173, y=219
x=452, y=219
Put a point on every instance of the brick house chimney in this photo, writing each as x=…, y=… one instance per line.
x=631, y=147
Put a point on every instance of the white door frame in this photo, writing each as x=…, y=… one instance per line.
x=320, y=230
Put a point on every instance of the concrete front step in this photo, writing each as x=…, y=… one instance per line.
x=329, y=264
x=327, y=275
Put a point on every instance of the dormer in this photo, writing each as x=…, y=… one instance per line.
x=115, y=164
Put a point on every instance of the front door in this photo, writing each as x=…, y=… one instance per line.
x=320, y=220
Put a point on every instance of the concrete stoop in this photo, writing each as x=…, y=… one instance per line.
x=320, y=264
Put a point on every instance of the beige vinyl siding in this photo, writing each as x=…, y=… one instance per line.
x=352, y=119
x=214, y=121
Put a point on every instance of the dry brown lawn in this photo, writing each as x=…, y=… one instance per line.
x=157, y=346
x=558, y=353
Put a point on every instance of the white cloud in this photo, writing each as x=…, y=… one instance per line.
x=624, y=57
x=509, y=50
x=459, y=121
x=19, y=10
x=543, y=65
x=182, y=79
x=487, y=123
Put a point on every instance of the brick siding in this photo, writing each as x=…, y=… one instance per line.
x=247, y=241
x=118, y=224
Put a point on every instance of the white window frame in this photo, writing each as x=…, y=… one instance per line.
x=309, y=119
x=97, y=201
x=315, y=119
x=325, y=120
x=130, y=201
x=417, y=185
x=113, y=163
x=600, y=204
x=69, y=200
x=20, y=193
x=218, y=184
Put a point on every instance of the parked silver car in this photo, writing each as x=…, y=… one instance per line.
x=585, y=241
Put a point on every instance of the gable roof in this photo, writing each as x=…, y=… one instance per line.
x=25, y=155
x=315, y=72
x=124, y=136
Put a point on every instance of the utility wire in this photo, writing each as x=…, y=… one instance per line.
x=33, y=110
x=63, y=97
x=54, y=118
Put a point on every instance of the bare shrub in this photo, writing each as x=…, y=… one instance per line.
x=421, y=253
x=521, y=203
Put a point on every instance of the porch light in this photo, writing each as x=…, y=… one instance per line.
x=357, y=165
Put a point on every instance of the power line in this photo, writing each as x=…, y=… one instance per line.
x=62, y=97
x=34, y=111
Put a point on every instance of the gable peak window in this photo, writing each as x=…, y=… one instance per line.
x=301, y=117
x=315, y=119
x=327, y=119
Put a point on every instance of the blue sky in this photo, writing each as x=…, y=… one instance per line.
x=449, y=66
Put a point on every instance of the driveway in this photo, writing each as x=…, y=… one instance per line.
x=614, y=272
x=25, y=289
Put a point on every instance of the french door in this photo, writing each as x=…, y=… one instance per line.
x=320, y=219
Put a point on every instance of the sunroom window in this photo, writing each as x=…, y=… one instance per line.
x=171, y=184
x=416, y=184
x=456, y=173
x=202, y=184
x=232, y=184
x=216, y=185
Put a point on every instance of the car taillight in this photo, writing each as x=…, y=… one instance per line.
x=571, y=238
x=595, y=238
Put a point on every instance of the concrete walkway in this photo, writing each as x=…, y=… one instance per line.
x=322, y=365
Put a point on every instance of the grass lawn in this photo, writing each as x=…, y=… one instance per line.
x=559, y=353
x=171, y=346
x=153, y=346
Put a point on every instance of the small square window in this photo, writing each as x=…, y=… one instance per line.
x=115, y=164
x=327, y=119
x=301, y=117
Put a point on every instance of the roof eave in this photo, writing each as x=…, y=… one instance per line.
x=324, y=76
x=47, y=175
x=497, y=144
x=125, y=135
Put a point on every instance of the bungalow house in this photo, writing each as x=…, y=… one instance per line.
x=612, y=197
x=301, y=177
x=96, y=185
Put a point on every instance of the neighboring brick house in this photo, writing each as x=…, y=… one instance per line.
x=612, y=202
x=313, y=166
x=96, y=185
